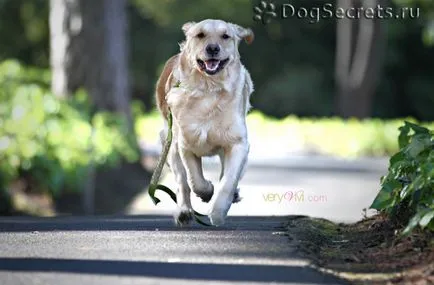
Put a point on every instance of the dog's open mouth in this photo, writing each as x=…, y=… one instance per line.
x=212, y=66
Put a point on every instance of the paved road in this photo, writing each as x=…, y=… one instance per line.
x=145, y=249
x=335, y=189
x=149, y=250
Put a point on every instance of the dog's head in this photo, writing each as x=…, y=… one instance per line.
x=211, y=45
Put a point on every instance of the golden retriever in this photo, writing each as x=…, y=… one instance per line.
x=207, y=89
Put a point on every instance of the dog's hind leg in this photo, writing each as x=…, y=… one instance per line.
x=184, y=214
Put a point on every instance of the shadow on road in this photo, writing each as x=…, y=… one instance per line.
x=130, y=223
x=191, y=271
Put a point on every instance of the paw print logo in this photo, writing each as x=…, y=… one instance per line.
x=264, y=12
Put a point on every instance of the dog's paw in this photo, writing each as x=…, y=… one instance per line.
x=205, y=193
x=217, y=218
x=183, y=217
x=219, y=212
x=237, y=197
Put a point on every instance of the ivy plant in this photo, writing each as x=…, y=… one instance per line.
x=407, y=191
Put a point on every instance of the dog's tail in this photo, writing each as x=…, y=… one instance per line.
x=163, y=86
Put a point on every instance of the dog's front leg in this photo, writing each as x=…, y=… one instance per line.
x=235, y=158
x=197, y=182
x=184, y=214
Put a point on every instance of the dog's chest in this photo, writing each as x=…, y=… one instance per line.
x=207, y=121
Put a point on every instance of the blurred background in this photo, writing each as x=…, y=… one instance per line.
x=79, y=130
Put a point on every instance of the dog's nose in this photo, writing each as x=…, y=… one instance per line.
x=212, y=49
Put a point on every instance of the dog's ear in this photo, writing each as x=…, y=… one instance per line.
x=187, y=26
x=243, y=33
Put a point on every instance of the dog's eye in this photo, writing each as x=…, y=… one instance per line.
x=200, y=35
x=225, y=36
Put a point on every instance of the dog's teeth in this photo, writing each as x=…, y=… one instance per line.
x=212, y=65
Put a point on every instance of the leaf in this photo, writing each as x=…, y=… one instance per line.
x=417, y=195
x=384, y=198
x=397, y=157
x=404, y=138
x=431, y=226
x=426, y=219
x=417, y=145
x=391, y=185
x=417, y=129
x=419, y=182
x=414, y=221
x=427, y=169
x=402, y=170
x=407, y=189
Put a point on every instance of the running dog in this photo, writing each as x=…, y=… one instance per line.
x=207, y=89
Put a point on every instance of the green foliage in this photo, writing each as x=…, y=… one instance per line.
x=407, y=192
x=162, y=12
x=24, y=31
x=298, y=88
x=291, y=61
x=330, y=136
x=52, y=141
x=426, y=9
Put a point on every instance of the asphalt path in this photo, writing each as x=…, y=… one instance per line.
x=150, y=250
x=147, y=248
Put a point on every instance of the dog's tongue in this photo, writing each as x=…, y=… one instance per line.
x=212, y=64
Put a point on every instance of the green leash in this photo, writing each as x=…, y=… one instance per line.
x=153, y=186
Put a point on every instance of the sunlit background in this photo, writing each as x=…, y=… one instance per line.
x=79, y=129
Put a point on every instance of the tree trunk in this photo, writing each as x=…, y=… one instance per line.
x=359, y=53
x=65, y=46
x=89, y=49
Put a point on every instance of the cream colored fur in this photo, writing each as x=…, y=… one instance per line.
x=209, y=115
